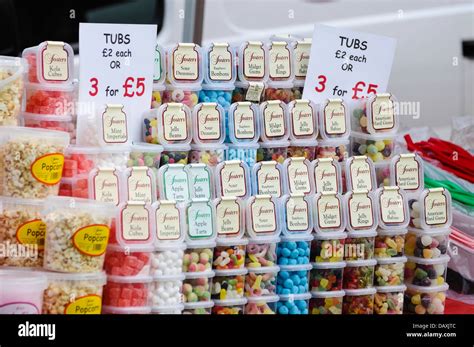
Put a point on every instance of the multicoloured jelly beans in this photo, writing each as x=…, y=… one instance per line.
x=376, y=147
x=228, y=284
x=229, y=257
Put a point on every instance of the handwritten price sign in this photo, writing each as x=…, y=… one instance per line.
x=347, y=64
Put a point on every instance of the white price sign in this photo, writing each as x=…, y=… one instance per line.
x=116, y=67
x=347, y=64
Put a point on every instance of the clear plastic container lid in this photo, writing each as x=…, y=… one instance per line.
x=280, y=64
x=434, y=289
x=177, y=147
x=297, y=212
x=220, y=62
x=244, y=122
x=168, y=278
x=170, y=223
x=200, y=218
x=391, y=260
x=360, y=292
x=129, y=279
x=198, y=304
x=373, y=137
x=263, y=214
x=297, y=177
x=63, y=203
x=201, y=274
x=230, y=272
x=360, y=173
x=232, y=179
x=333, y=142
x=173, y=182
x=361, y=234
x=329, y=265
x=301, y=53
x=392, y=208
x=295, y=297
x=90, y=150
x=200, y=244
x=54, y=62
x=330, y=294
x=208, y=123
x=334, y=119
x=185, y=65
x=430, y=232
x=159, y=68
x=263, y=299
x=139, y=184
x=391, y=289
x=134, y=224
x=174, y=124
x=442, y=259
x=267, y=178
x=230, y=220
x=200, y=181
x=299, y=267
x=264, y=269
x=170, y=309
x=130, y=248
x=391, y=232
x=7, y=133
x=297, y=237
x=327, y=175
x=273, y=121
x=358, y=263
x=275, y=144
x=264, y=240
x=435, y=208
x=231, y=241
x=380, y=115
x=22, y=280
x=329, y=213
x=337, y=235
x=253, y=62
x=303, y=121
x=126, y=310
x=143, y=147
x=105, y=185
x=100, y=278
x=360, y=206
x=407, y=172
x=231, y=302
x=6, y=202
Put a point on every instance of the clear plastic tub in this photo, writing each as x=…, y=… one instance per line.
x=248, y=92
x=378, y=147
x=233, y=179
x=78, y=234
x=165, y=291
x=333, y=149
x=134, y=224
x=187, y=95
x=327, y=175
x=31, y=161
x=261, y=282
x=267, y=178
x=262, y=252
x=389, y=243
x=253, y=62
x=174, y=123
x=358, y=301
x=359, y=245
x=283, y=93
x=230, y=221
x=198, y=257
x=209, y=154
x=204, y=307
x=375, y=114
x=12, y=71
x=121, y=291
x=297, y=177
x=197, y=286
x=247, y=152
x=104, y=184
x=428, y=244
x=426, y=272
x=77, y=187
x=294, y=249
x=220, y=64
x=231, y=306
x=157, y=95
x=73, y=293
x=273, y=121
x=228, y=284
x=126, y=310
x=334, y=119
x=326, y=277
x=294, y=304
x=390, y=271
x=59, y=123
x=200, y=180
x=392, y=208
x=208, y=120
x=244, y=123
x=139, y=184
x=360, y=208
x=360, y=173
x=22, y=292
x=169, y=310
x=328, y=213
x=144, y=154
x=326, y=302
x=382, y=173
x=168, y=261
x=175, y=154
x=21, y=228
x=280, y=64
x=359, y=274
x=389, y=299
x=185, y=64
x=293, y=279
x=263, y=214
x=328, y=247
x=173, y=182
x=273, y=151
x=229, y=253
x=128, y=261
x=301, y=148
x=297, y=214
x=200, y=219
x=407, y=172
x=261, y=305
x=425, y=300
x=55, y=100
x=435, y=205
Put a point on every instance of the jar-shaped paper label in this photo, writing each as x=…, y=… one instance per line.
x=88, y=304
x=140, y=184
x=158, y=66
x=269, y=179
x=244, y=121
x=280, y=61
x=135, y=221
x=91, y=240
x=436, y=207
x=220, y=63
x=263, y=215
x=297, y=214
x=48, y=169
x=175, y=184
x=114, y=124
x=301, y=58
x=360, y=211
x=298, y=176
x=302, y=119
x=228, y=217
x=407, y=172
x=174, y=123
x=55, y=62
x=233, y=180
x=105, y=186
x=209, y=121
x=167, y=221
x=383, y=113
x=255, y=91
x=361, y=175
x=335, y=117
x=326, y=176
x=329, y=211
x=199, y=178
x=274, y=119
x=254, y=60
x=200, y=220
x=185, y=63
x=32, y=233
x=391, y=206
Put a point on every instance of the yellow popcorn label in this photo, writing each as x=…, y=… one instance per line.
x=32, y=233
x=92, y=240
x=89, y=304
x=48, y=169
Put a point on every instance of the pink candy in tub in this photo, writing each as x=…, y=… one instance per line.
x=267, y=178
x=327, y=175
x=21, y=292
x=297, y=177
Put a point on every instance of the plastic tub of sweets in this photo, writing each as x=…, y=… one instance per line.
x=358, y=301
x=302, y=148
x=51, y=122
x=390, y=243
x=209, y=154
x=198, y=257
x=197, y=286
x=294, y=249
x=241, y=92
x=282, y=93
x=228, y=284
x=359, y=274
x=382, y=173
x=168, y=260
x=165, y=291
x=12, y=71
x=334, y=120
x=128, y=261
x=389, y=271
x=77, y=187
x=326, y=302
x=55, y=100
x=247, y=152
x=187, y=95
x=293, y=304
x=121, y=291
x=208, y=122
x=126, y=310
x=378, y=147
x=389, y=299
x=332, y=148
x=262, y=252
x=261, y=305
x=426, y=272
x=325, y=277
x=243, y=123
x=375, y=114
x=293, y=279
x=230, y=306
x=201, y=307
x=359, y=245
x=428, y=244
x=22, y=292
x=222, y=94
x=145, y=154
x=275, y=150
x=157, y=95
x=425, y=300
x=328, y=247
x=229, y=253
x=73, y=293
x=261, y=281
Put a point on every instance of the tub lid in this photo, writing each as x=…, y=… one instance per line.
x=391, y=260
x=230, y=302
x=158, y=309
x=329, y=265
x=126, y=310
x=258, y=299
x=264, y=269
x=390, y=289
x=431, y=232
x=299, y=267
x=12, y=279
x=442, y=288
x=199, y=304
x=443, y=259
x=294, y=297
x=230, y=272
x=93, y=276
x=164, y=278
x=358, y=292
x=129, y=279
x=202, y=274
x=332, y=235
x=329, y=294
x=364, y=262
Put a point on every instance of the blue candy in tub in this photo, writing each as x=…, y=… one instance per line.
x=293, y=304
x=293, y=279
